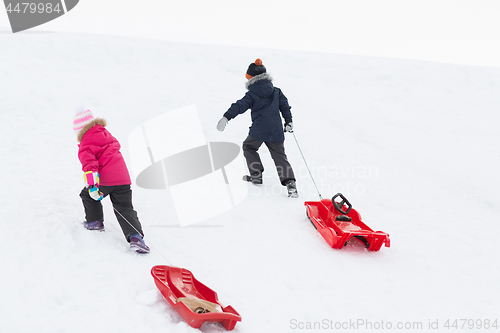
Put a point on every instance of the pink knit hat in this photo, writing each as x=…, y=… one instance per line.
x=82, y=119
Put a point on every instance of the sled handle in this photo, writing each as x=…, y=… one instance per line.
x=340, y=205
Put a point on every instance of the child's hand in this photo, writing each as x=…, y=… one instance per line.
x=91, y=178
x=222, y=124
x=95, y=193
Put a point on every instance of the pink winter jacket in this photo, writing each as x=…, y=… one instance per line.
x=100, y=151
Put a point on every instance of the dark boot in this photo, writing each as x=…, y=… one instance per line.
x=255, y=178
x=137, y=243
x=292, y=189
x=96, y=225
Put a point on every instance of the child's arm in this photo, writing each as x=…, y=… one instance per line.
x=285, y=108
x=239, y=107
x=236, y=108
x=90, y=168
x=286, y=112
x=88, y=160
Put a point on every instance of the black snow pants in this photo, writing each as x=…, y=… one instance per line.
x=277, y=150
x=121, y=198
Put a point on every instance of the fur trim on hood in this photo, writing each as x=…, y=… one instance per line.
x=97, y=121
x=260, y=77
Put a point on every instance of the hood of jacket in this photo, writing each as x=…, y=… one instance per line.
x=261, y=85
x=97, y=121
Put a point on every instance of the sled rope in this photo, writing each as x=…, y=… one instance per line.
x=140, y=234
x=300, y=150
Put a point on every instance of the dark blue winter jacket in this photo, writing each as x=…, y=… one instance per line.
x=266, y=102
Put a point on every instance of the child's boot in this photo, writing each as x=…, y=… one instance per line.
x=137, y=243
x=95, y=225
x=292, y=189
x=255, y=178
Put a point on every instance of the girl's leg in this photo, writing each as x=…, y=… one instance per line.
x=93, y=209
x=121, y=198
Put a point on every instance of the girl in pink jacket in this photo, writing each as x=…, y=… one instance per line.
x=105, y=173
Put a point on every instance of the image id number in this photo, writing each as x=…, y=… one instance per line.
x=471, y=324
x=30, y=7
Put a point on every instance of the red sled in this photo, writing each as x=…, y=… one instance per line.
x=175, y=283
x=337, y=222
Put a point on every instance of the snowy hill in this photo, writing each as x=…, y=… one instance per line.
x=413, y=145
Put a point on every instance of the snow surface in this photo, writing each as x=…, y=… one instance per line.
x=413, y=145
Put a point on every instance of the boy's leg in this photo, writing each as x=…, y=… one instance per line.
x=285, y=171
x=121, y=198
x=250, y=148
x=93, y=209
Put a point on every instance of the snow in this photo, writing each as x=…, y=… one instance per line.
x=413, y=145
x=452, y=31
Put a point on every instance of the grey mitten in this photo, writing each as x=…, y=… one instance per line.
x=222, y=123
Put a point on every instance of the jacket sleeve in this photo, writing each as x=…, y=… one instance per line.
x=88, y=159
x=239, y=107
x=285, y=108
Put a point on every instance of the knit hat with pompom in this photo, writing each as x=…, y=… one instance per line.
x=82, y=119
x=255, y=68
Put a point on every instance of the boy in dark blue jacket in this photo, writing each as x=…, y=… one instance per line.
x=266, y=102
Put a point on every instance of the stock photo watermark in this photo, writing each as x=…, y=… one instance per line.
x=170, y=152
x=380, y=325
x=349, y=180
x=24, y=15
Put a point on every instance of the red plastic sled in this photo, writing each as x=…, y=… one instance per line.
x=174, y=282
x=337, y=222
